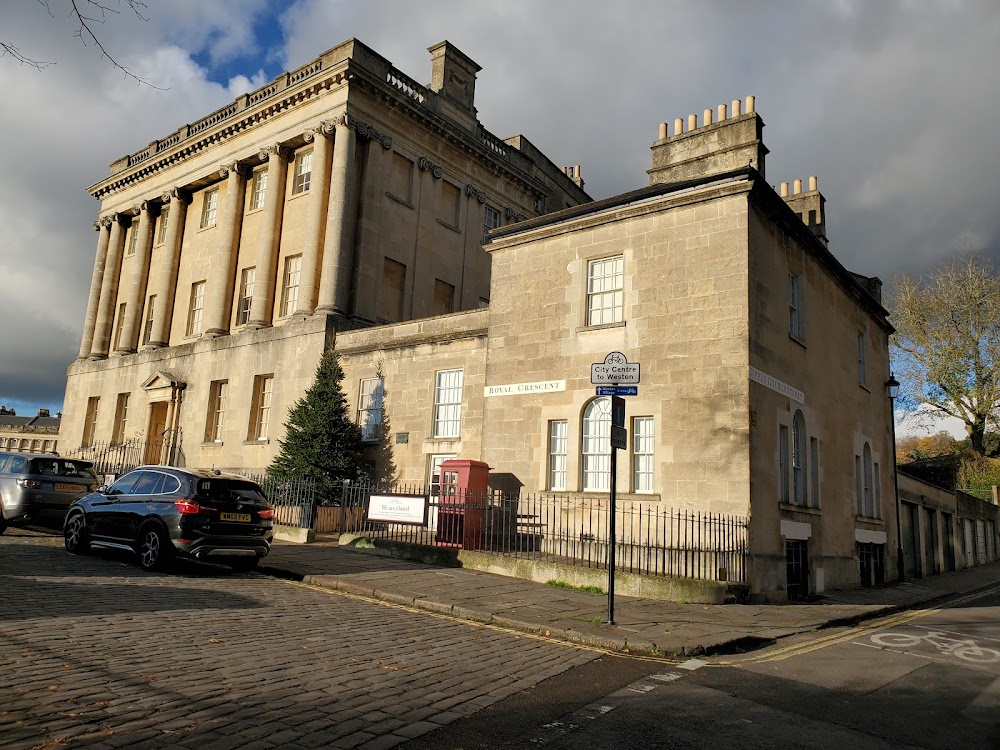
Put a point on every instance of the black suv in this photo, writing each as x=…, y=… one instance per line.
x=161, y=511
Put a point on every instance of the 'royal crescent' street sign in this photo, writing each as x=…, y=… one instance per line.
x=614, y=370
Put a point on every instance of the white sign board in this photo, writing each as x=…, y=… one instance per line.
x=523, y=389
x=614, y=369
x=776, y=385
x=398, y=508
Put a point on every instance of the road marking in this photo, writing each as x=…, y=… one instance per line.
x=692, y=664
x=901, y=618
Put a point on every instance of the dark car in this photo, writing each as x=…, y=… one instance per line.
x=160, y=512
x=41, y=486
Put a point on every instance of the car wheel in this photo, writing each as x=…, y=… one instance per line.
x=244, y=564
x=75, y=535
x=153, y=547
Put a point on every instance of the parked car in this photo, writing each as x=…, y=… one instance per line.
x=160, y=512
x=41, y=486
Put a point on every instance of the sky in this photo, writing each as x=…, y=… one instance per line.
x=892, y=104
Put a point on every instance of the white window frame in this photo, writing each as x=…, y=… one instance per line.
x=643, y=433
x=814, y=471
x=595, y=446
x=783, y=463
x=147, y=328
x=290, y=284
x=862, y=360
x=161, y=235
x=209, y=208
x=132, y=237
x=261, y=415
x=245, y=301
x=216, y=411
x=119, y=325
x=491, y=218
x=121, y=419
x=258, y=191
x=90, y=420
x=796, y=322
x=303, y=172
x=869, y=490
x=799, y=465
x=196, y=308
x=370, y=404
x=558, y=450
x=448, y=403
x=605, y=290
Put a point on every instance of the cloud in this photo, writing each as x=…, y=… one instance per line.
x=891, y=104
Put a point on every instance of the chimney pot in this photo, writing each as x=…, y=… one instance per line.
x=706, y=117
x=813, y=183
x=678, y=126
x=721, y=113
x=736, y=107
x=663, y=131
x=797, y=187
x=784, y=190
x=750, y=104
x=692, y=122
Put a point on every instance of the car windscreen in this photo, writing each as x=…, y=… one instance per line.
x=230, y=489
x=61, y=467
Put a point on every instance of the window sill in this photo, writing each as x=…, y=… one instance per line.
x=866, y=519
x=205, y=229
x=212, y=444
x=299, y=194
x=401, y=201
x=444, y=439
x=864, y=387
x=789, y=507
x=798, y=340
x=600, y=327
x=254, y=210
x=261, y=441
x=446, y=225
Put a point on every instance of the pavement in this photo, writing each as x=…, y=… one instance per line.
x=642, y=626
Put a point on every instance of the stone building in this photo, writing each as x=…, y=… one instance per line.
x=37, y=434
x=341, y=195
x=763, y=362
x=763, y=359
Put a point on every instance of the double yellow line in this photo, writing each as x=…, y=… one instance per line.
x=901, y=618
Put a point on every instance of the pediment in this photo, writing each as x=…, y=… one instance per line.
x=162, y=379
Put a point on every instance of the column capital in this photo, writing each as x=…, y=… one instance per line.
x=426, y=164
x=369, y=132
x=243, y=170
x=175, y=194
x=275, y=149
x=329, y=125
x=106, y=221
x=137, y=209
x=473, y=190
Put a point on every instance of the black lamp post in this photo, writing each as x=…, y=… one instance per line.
x=892, y=389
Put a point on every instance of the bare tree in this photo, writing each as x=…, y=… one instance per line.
x=86, y=14
x=946, y=349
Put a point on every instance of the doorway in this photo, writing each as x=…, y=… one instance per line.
x=155, y=434
x=796, y=569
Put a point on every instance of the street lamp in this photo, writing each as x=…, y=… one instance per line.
x=892, y=389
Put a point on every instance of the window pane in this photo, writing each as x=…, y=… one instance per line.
x=604, y=291
x=558, y=431
x=798, y=459
x=210, y=203
x=246, y=296
x=642, y=454
x=303, y=172
x=370, y=408
x=259, y=189
x=448, y=403
x=196, y=308
x=597, y=445
x=290, y=291
x=783, y=462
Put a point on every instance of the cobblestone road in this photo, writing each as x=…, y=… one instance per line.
x=95, y=653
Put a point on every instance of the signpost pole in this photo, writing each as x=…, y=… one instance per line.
x=612, y=542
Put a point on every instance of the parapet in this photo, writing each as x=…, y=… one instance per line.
x=729, y=140
x=809, y=205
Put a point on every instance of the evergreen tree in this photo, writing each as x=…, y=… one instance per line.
x=321, y=441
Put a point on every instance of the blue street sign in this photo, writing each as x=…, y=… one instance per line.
x=617, y=390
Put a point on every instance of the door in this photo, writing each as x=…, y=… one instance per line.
x=797, y=568
x=931, y=543
x=105, y=519
x=949, y=541
x=157, y=429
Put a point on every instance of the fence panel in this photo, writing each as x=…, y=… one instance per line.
x=650, y=539
x=293, y=498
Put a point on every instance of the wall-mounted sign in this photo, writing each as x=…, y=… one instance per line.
x=398, y=509
x=523, y=389
x=402, y=438
x=776, y=385
x=613, y=370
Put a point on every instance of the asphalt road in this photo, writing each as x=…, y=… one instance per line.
x=921, y=679
x=96, y=653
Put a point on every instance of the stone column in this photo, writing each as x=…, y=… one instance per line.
x=137, y=282
x=109, y=291
x=90, y=321
x=165, y=285
x=319, y=199
x=219, y=295
x=269, y=239
x=335, y=277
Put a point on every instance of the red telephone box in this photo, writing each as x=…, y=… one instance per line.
x=462, y=503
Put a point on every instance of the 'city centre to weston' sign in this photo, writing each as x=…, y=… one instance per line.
x=613, y=370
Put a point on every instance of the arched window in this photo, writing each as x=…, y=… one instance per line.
x=869, y=497
x=597, y=445
x=799, y=459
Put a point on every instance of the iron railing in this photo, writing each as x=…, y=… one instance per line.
x=117, y=458
x=293, y=498
x=650, y=539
